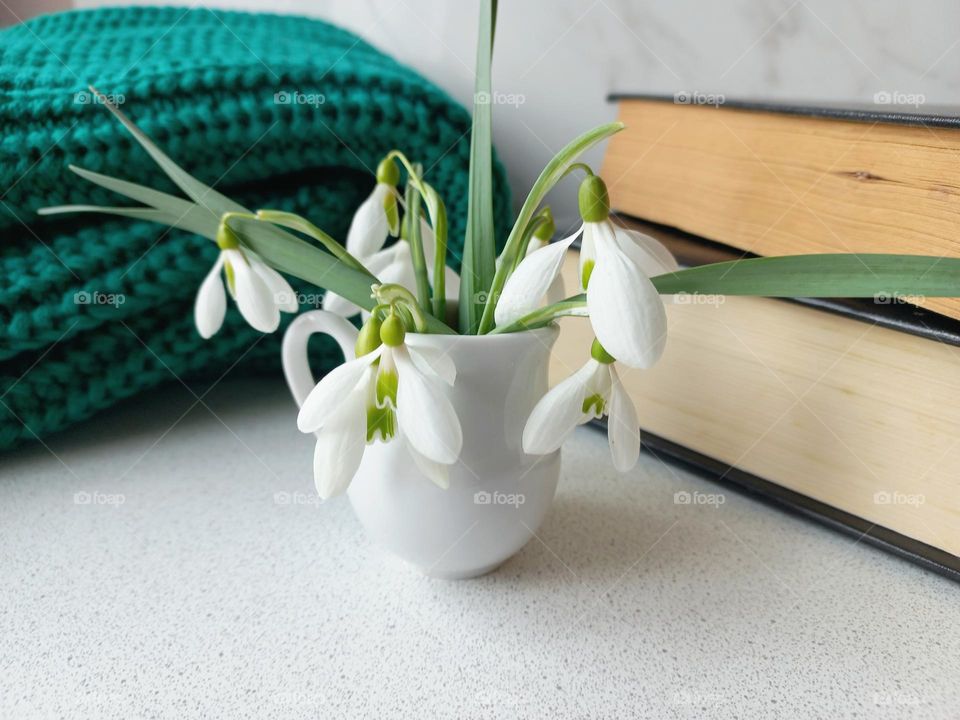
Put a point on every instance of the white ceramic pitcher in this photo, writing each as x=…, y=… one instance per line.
x=498, y=495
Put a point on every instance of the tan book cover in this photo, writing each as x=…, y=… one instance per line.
x=777, y=183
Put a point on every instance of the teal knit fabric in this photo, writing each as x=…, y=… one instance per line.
x=276, y=111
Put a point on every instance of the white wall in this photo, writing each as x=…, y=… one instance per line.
x=564, y=56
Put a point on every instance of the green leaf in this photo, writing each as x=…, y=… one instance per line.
x=414, y=236
x=300, y=259
x=300, y=224
x=828, y=275
x=201, y=220
x=150, y=214
x=201, y=194
x=438, y=218
x=550, y=176
x=833, y=275
x=479, y=245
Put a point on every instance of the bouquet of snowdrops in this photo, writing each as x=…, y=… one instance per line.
x=392, y=391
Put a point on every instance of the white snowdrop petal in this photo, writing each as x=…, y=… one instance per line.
x=211, y=303
x=647, y=253
x=333, y=389
x=437, y=473
x=626, y=312
x=283, y=295
x=369, y=227
x=340, y=446
x=429, y=242
x=432, y=361
x=525, y=289
x=558, y=412
x=623, y=426
x=424, y=413
x=338, y=305
x=253, y=296
x=399, y=270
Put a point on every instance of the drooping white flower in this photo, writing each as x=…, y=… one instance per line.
x=261, y=293
x=626, y=312
x=394, y=265
x=394, y=391
x=377, y=217
x=591, y=392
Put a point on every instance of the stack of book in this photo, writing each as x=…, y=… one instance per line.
x=846, y=410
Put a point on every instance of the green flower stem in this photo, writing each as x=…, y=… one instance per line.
x=550, y=176
x=292, y=221
x=412, y=204
x=438, y=218
x=588, y=171
x=573, y=306
x=397, y=295
x=538, y=221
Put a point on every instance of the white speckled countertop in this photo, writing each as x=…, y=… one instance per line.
x=200, y=595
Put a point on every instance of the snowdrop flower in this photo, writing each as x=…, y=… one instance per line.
x=391, y=390
x=540, y=239
x=394, y=265
x=378, y=215
x=260, y=292
x=591, y=392
x=626, y=312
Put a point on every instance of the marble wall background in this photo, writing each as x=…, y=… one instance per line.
x=560, y=58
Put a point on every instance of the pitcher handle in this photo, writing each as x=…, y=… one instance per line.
x=296, y=362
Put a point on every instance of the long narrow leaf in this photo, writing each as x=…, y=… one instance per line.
x=479, y=245
x=833, y=275
x=151, y=214
x=414, y=235
x=828, y=275
x=194, y=215
x=199, y=192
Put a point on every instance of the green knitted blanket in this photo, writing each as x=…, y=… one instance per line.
x=275, y=111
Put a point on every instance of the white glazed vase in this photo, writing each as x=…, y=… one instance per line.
x=498, y=495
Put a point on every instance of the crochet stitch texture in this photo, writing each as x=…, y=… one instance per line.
x=276, y=111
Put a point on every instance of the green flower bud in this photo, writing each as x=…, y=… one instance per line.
x=388, y=172
x=548, y=229
x=600, y=354
x=392, y=333
x=227, y=239
x=369, y=338
x=593, y=199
